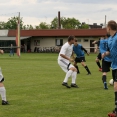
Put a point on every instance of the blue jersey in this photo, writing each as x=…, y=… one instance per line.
x=78, y=50
x=112, y=44
x=103, y=48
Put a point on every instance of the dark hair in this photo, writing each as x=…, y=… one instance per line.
x=107, y=35
x=113, y=25
x=70, y=38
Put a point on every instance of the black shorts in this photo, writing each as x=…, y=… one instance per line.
x=106, y=66
x=2, y=80
x=79, y=60
x=99, y=56
x=114, y=75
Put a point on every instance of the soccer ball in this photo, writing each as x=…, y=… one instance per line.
x=111, y=82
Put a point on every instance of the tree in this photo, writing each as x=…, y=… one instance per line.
x=84, y=26
x=44, y=25
x=70, y=23
x=54, y=23
x=67, y=23
x=27, y=27
x=2, y=25
x=36, y=27
x=12, y=23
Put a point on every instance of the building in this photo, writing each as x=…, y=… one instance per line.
x=95, y=26
x=50, y=38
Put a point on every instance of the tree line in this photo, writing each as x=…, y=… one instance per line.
x=66, y=23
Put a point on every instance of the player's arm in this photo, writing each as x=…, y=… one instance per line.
x=1, y=51
x=94, y=42
x=98, y=43
x=105, y=54
x=96, y=49
x=73, y=56
x=84, y=50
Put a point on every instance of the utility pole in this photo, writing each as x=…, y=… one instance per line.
x=59, y=20
x=105, y=21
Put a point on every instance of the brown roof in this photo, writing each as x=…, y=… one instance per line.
x=58, y=32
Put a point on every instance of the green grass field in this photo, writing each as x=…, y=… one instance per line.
x=33, y=84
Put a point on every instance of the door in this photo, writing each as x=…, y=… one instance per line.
x=92, y=46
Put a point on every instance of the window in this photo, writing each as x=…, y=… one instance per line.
x=86, y=40
x=36, y=42
x=6, y=43
x=59, y=42
x=79, y=40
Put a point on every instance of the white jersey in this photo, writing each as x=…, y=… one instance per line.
x=66, y=50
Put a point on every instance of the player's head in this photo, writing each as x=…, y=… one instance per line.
x=111, y=26
x=71, y=39
x=75, y=42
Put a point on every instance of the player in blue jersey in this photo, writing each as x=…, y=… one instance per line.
x=112, y=50
x=98, y=59
x=80, y=56
x=106, y=61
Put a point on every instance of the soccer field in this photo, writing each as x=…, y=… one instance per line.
x=33, y=84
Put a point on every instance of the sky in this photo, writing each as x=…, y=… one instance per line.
x=36, y=11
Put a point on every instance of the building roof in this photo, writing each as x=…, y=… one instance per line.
x=60, y=32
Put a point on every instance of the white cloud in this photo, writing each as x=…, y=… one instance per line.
x=36, y=11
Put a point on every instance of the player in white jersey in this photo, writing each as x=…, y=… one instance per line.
x=2, y=88
x=64, y=62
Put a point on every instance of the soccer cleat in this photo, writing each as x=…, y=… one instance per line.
x=105, y=86
x=5, y=102
x=78, y=72
x=113, y=114
x=89, y=74
x=65, y=84
x=100, y=69
x=74, y=85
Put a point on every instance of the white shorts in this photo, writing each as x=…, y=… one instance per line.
x=1, y=76
x=65, y=66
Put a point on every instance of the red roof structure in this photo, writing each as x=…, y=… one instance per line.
x=60, y=32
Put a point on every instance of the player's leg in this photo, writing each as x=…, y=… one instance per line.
x=82, y=59
x=115, y=88
x=74, y=75
x=114, y=74
x=98, y=61
x=105, y=68
x=3, y=94
x=76, y=66
x=13, y=52
x=104, y=77
x=2, y=90
x=65, y=67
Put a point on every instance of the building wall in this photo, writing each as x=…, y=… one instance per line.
x=51, y=42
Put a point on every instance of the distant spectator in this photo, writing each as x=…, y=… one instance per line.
x=11, y=50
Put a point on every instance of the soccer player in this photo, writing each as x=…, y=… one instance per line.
x=98, y=59
x=2, y=88
x=112, y=45
x=80, y=56
x=64, y=62
x=106, y=61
